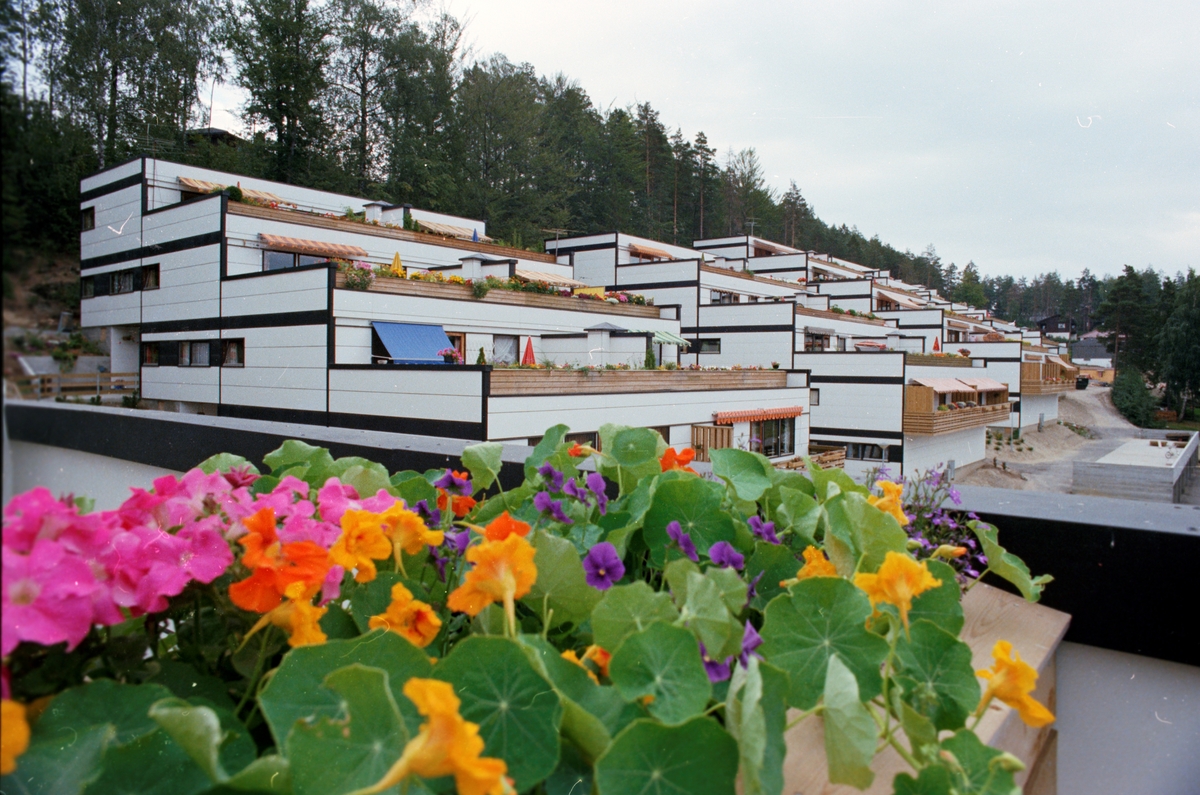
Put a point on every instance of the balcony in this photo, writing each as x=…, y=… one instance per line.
x=520, y=382
x=462, y=292
x=1047, y=378
x=931, y=406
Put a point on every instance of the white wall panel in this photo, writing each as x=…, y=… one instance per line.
x=108, y=176
x=182, y=221
x=299, y=291
x=118, y=223
x=963, y=447
x=192, y=384
x=399, y=392
x=1033, y=405
x=596, y=268
x=110, y=310
x=189, y=285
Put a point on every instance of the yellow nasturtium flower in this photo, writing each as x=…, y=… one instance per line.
x=503, y=571
x=899, y=580
x=445, y=745
x=361, y=544
x=892, y=500
x=14, y=735
x=410, y=618
x=1011, y=680
x=297, y=616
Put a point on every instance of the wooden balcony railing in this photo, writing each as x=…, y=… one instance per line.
x=520, y=382
x=925, y=423
x=40, y=387
x=1038, y=387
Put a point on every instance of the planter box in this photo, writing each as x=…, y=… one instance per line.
x=929, y=360
x=991, y=614
x=934, y=422
x=1046, y=387
x=515, y=382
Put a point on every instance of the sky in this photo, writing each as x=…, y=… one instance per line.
x=1025, y=136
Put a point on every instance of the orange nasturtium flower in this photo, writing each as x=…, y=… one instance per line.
x=460, y=504
x=274, y=566
x=815, y=565
x=410, y=618
x=891, y=501
x=503, y=572
x=361, y=544
x=445, y=745
x=677, y=460
x=14, y=735
x=899, y=580
x=297, y=616
x=599, y=657
x=1011, y=680
x=408, y=532
x=502, y=527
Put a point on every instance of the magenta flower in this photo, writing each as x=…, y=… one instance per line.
x=723, y=554
x=596, y=485
x=764, y=530
x=335, y=498
x=543, y=502
x=169, y=562
x=553, y=478
x=299, y=527
x=33, y=515
x=603, y=566
x=717, y=671
x=47, y=597
x=240, y=477
x=683, y=541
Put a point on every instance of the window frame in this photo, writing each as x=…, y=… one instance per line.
x=203, y=347
x=267, y=252
x=516, y=357
x=87, y=287
x=185, y=354
x=239, y=346
x=778, y=450
x=154, y=269
x=87, y=218
x=814, y=397
x=702, y=344
x=147, y=348
x=125, y=277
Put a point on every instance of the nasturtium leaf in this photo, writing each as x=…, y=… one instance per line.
x=755, y=714
x=743, y=472
x=626, y=609
x=774, y=705
x=224, y=462
x=664, y=662
x=490, y=621
x=151, y=764
x=823, y=478
x=544, y=449
x=637, y=502
x=798, y=514
x=294, y=452
x=355, y=748
x=125, y=707
x=696, y=505
x=297, y=689
x=791, y=479
x=875, y=533
x=850, y=731
x=511, y=501
x=632, y=447
x=941, y=605
x=267, y=774
x=561, y=585
x=980, y=775
x=517, y=710
x=922, y=736
x=59, y=764
x=367, y=477
x=573, y=776
x=732, y=587
x=676, y=575
x=775, y=563
x=1008, y=565
x=186, y=682
x=934, y=668
x=931, y=781
x=484, y=462
x=651, y=759
x=337, y=624
x=840, y=539
x=585, y=535
x=815, y=619
x=415, y=489
x=195, y=729
x=705, y=614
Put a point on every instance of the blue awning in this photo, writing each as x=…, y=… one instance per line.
x=412, y=343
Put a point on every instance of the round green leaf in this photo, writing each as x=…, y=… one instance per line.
x=650, y=759
x=297, y=688
x=125, y=707
x=705, y=614
x=545, y=448
x=741, y=470
x=978, y=776
x=696, y=505
x=941, y=605
x=633, y=447
x=483, y=461
x=517, y=710
x=775, y=563
x=149, y=765
x=664, y=662
x=625, y=609
x=850, y=731
x=561, y=584
x=355, y=748
x=931, y=781
x=61, y=763
x=1008, y=565
x=817, y=618
x=224, y=462
x=934, y=668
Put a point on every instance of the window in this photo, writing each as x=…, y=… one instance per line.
x=150, y=277
x=774, y=438
x=504, y=349
x=188, y=195
x=278, y=260
x=708, y=346
x=100, y=284
x=87, y=287
x=721, y=297
x=185, y=354
x=200, y=353
x=459, y=341
x=123, y=282
x=591, y=439
x=814, y=397
x=87, y=218
x=841, y=343
x=815, y=342
x=150, y=354
x=864, y=452
x=309, y=259
x=233, y=353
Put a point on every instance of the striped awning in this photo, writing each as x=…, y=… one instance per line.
x=315, y=247
x=944, y=385
x=826, y=332
x=548, y=278
x=208, y=187
x=449, y=230
x=648, y=252
x=1059, y=361
x=981, y=384
x=756, y=415
x=665, y=338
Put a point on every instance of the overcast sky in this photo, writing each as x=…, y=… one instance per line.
x=1025, y=135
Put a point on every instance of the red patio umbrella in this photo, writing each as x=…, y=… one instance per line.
x=527, y=357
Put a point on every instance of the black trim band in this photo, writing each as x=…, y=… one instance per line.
x=183, y=244
x=653, y=285
x=112, y=187
x=854, y=432
x=567, y=249
x=735, y=329
x=856, y=379
x=316, y=317
x=452, y=429
x=919, y=325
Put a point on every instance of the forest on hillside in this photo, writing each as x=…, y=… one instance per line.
x=380, y=98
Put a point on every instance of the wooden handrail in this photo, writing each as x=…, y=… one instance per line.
x=46, y=385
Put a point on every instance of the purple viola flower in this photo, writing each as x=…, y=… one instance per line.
x=432, y=516
x=974, y=517
x=982, y=559
x=572, y=489
x=752, y=590
x=683, y=540
x=545, y=504
x=764, y=530
x=955, y=496
x=459, y=541
x=717, y=671
x=596, y=485
x=454, y=484
x=553, y=478
x=751, y=640
x=723, y=554
x=603, y=566
x=439, y=560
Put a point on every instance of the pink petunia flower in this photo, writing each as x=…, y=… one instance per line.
x=46, y=597
x=335, y=498
x=33, y=515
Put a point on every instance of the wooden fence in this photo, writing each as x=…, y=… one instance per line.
x=710, y=437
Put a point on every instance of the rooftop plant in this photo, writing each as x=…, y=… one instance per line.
x=327, y=626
